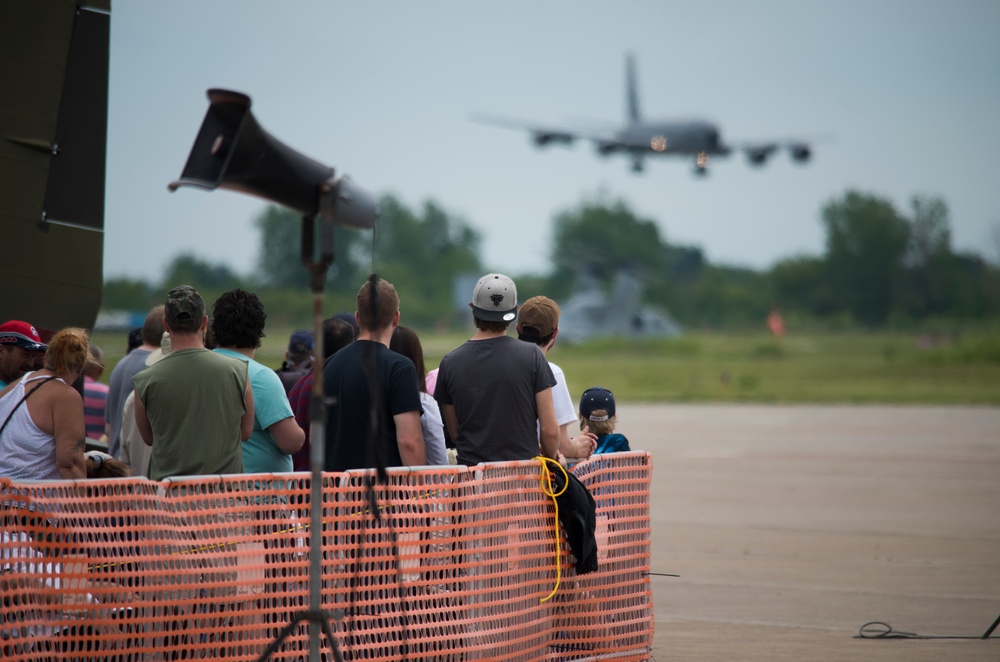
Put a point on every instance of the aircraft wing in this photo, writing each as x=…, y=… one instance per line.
x=53, y=129
x=542, y=135
x=799, y=149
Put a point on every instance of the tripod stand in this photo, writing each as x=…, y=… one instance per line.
x=317, y=258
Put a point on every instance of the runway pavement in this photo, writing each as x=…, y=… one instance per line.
x=792, y=526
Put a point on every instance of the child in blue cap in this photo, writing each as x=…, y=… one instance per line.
x=597, y=410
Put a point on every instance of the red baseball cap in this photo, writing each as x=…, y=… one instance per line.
x=22, y=334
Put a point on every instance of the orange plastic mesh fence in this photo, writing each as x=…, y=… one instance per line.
x=443, y=563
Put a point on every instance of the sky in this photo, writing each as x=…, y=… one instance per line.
x=904, y=93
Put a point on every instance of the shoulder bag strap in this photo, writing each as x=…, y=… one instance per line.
x=26, y=396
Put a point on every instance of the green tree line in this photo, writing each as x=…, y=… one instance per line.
x=881, y=267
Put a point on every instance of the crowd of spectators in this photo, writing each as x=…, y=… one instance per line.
x=190, y=398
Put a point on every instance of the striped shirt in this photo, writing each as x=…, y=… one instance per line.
x=95, y=397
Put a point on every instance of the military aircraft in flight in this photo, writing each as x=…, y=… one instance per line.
x=639, y=138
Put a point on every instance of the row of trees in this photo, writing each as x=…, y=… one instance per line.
x=880, y=266
x=422, y=253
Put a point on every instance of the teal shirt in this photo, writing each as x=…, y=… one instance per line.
x=270, y=405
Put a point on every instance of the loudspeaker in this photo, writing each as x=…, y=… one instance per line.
x=232, y=151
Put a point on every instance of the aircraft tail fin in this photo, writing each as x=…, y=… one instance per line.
x=631, y=94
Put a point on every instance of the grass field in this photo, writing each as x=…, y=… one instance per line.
x=818, y=368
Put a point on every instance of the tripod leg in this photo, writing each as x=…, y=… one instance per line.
x=333, y=642
x=285, y=632
x=989, y=631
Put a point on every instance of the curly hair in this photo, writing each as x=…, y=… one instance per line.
x=238, y=319
x=69, y=350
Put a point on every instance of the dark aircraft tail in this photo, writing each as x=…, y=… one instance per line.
x=631, y=94
x=53, y=134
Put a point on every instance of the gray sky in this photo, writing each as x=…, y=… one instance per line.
x=384, y=92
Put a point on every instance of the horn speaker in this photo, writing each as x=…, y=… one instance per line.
x=232, y=151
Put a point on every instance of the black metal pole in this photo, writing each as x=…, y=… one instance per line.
x=317, y=262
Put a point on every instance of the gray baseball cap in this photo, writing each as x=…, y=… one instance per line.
x=494, y=299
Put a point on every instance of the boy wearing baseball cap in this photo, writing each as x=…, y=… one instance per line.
x=597, y=410
x=538, y=323
x=494, y=390
x=298, y=359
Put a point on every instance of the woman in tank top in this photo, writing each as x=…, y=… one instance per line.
x=45, y=436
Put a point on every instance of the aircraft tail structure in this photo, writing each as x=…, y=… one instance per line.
x=631, y=94
x=625, y=301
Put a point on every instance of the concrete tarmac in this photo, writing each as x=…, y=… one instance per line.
x=792, y=526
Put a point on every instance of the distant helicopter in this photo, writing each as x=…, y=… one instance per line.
x=590, y=313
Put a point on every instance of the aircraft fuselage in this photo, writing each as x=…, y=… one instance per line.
x=673, y=137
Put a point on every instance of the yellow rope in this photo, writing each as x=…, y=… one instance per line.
x=546, y=482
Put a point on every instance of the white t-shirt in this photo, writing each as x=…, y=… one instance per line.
x=565, y=411
x=433, y=429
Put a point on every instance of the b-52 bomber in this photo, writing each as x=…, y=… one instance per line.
x=638, y=138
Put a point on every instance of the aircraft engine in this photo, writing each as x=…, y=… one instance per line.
x=606, y=147
x=757, y=156
x=800, y=152
x=544, y=138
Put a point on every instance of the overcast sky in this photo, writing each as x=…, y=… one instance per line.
x=384, y=92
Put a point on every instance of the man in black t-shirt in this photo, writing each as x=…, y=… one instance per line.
x=367, y=367
x=495, y=391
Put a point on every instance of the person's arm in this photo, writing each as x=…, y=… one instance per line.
x=410, y=438
x=129, y=429
x=300, y=398
x=549, y=433
x=288, y=435
x=450, y=420
x=70, y=434
x=582, y=445
x=246, y=423
x=142, y=420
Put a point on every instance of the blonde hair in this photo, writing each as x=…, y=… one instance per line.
x=599, y=427
x=69, y=350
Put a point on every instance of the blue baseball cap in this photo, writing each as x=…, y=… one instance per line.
x=301, y=342
x=594, y=399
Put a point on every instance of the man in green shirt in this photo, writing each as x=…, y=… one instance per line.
x=194, y=407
